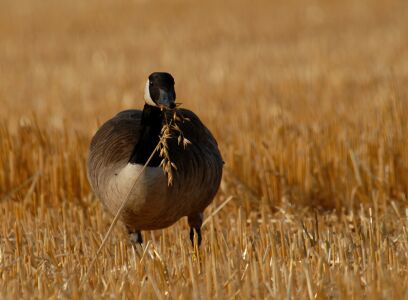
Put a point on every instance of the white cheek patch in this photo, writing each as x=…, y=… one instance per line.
x=147, y=97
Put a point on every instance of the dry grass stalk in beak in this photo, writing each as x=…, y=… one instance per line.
x=171, y=129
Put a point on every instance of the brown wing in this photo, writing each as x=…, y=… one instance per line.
x=199, y=164
x=195, y=130
x=113, y=144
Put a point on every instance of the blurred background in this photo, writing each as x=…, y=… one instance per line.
x=295, y=85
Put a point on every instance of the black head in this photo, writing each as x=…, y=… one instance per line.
x=159, y=90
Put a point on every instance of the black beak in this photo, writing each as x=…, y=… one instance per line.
x=167, y=99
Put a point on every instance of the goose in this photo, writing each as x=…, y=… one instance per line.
x=121, y=147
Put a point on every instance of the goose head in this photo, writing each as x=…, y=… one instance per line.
x=159, y=91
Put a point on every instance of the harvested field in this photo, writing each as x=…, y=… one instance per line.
x=307, y=99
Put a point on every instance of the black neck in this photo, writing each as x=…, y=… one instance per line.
x=152, y=122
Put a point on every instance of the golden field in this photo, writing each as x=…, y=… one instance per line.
x=308, y=101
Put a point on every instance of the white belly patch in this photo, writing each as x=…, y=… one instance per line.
x=151, y=184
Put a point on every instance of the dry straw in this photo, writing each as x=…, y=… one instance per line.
x=294, y=136
x=171, y=129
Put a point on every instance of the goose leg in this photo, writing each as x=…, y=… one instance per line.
x=195, y=221
x=198, y=230
x=136, y=237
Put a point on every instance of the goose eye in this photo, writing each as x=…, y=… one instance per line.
x=150, y=82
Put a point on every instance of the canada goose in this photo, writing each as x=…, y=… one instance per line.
x=121, y=147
